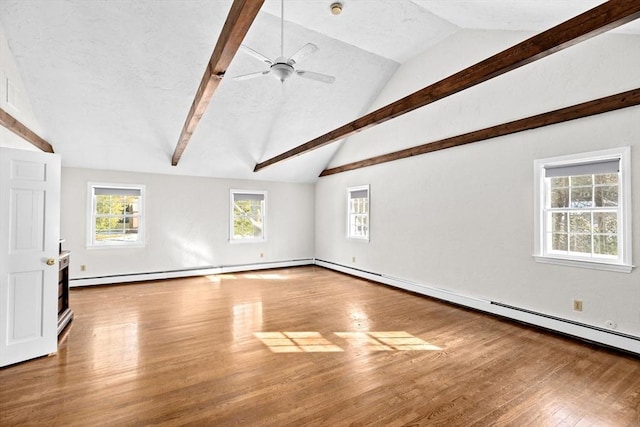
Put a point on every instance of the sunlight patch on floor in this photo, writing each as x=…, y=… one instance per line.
x=309, y=342
x=296, y=342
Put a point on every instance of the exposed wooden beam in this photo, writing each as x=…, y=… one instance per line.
x=241, y=16
x=586, y=109
x=598, y=20
x=11, y=123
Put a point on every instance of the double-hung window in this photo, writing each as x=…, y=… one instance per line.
x=583, y=213
x=358, y=212
x=248, y=216
x=116, y=215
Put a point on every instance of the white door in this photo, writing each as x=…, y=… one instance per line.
x=29, y=233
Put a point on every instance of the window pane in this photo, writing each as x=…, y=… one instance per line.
x=110, y=229
x=581, y=197
x=359, y=205
x=604, y=244
x=358, y=224
x=606, y=196
x=560, y=198
x=117, y=205
x=133, y=205
x=241, y=227
x=102, y=228
x=256, y=221
x=562, y=181
x=559, y=222
x=580, y=243
x=242, y=206
x=257, y=231
x=131, y=225
x=580, y=222
x=605, y=222
x=247, y=226
x=559, y=242
x=608, y=178
x=581, y=180
x=103, y=204
x=256, y=208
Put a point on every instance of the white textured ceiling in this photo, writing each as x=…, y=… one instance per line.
x=111, y=82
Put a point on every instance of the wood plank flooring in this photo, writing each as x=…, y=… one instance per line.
x=309, y=346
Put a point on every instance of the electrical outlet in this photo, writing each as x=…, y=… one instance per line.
x=261, y=255
x=353, y=259
x=83, y=267
x=577, y=305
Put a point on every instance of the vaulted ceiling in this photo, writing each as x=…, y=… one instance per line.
x=111, y=82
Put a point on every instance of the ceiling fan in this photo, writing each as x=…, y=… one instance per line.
x=282, y=68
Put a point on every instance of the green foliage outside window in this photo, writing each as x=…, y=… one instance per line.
x=117, y=217
x=248, y=219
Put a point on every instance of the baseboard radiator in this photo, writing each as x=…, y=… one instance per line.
x=590, y=333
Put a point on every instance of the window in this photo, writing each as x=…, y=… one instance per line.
x=116, y=215
x=358, y=212
x=583, y=213
x=248, y=216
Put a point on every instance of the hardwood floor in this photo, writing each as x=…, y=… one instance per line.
x=308, y=346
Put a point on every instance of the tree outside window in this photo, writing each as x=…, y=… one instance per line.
x=583, y=210
x=248, y=215
x=116, y=215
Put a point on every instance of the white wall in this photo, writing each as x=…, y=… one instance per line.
x=462, y=219
x=14, y=99
x=187, y=224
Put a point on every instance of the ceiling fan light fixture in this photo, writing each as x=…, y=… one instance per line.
x=281, y=71
x=336, y=8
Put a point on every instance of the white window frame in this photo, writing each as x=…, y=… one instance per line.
x=92, y=243
x=624, y=262
x=351, y=190
x=233, y=239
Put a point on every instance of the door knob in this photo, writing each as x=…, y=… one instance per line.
x=51, y=261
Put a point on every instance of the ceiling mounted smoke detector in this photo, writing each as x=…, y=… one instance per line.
x=336, y=8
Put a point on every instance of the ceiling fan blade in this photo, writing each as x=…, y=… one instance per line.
x=251, y=75
x=303, y=52
x=316, y=76
x=255, y=54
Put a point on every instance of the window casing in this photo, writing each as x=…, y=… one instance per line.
x=582, y=212
x=358, y=212
x=248, y=216
x=116, y=215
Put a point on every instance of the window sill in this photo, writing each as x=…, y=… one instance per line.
x=234, y=241
x=358, y=239
x=117, y=246
x=594, y=265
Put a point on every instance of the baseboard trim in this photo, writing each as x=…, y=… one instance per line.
x=614, y=339
x=175, y=274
